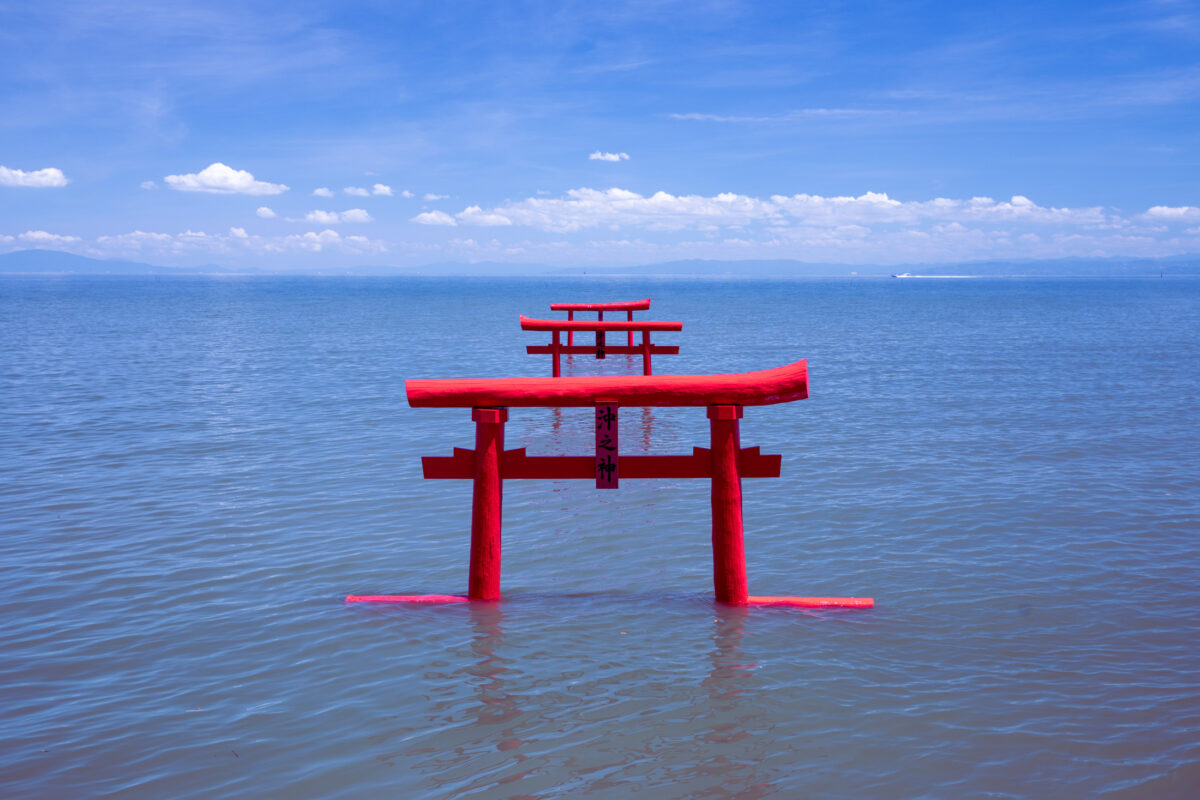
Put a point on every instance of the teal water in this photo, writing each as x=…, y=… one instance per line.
x=195, y=472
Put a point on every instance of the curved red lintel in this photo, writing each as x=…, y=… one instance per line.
x=765, y=387
x=530, y=324
x=632, y=305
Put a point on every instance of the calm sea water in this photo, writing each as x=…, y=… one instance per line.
x=195, y=472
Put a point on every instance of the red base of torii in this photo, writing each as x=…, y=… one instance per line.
x=794, y=602
x=725, y=463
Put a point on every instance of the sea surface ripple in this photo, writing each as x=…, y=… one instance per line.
x=195, y=472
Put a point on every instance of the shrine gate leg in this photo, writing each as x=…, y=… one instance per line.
x=729, y=553
x=487, y=503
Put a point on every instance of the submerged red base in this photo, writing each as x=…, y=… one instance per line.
x=813, y=602
x=795, y=602
x=406, y=598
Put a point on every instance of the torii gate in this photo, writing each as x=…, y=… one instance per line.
x=556, y=348
x=725, y=462
x=628, y=307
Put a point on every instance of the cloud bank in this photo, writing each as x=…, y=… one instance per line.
x=237, y=241
x=581, y=209
x=620, y=226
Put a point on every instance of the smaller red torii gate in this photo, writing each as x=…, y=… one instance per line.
x=556, y=348
x=725, y=462
x=628, y=307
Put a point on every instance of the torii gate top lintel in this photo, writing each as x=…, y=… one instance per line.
x=632, y=305
x=533, y=324
x=765, y=387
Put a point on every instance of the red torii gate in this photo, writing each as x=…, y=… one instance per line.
x=556, y=348
x=725, y=463
x=628, y=307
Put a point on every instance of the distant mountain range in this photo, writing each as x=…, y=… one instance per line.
x=56, y=262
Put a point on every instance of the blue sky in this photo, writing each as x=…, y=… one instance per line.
x=318, y=136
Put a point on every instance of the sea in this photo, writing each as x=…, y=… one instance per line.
x=196, y=471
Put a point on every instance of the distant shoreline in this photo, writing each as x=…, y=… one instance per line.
x=50, y=262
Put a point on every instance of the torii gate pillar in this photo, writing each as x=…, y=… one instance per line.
x=729, y=552
x=487, y=501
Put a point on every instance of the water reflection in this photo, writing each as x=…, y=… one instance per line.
x=580, y=427
x=647, y=427
x=731, y=669
x=477, y=725
x=496, y=730
x=729, y=676
x=733, y=739
x=589, y=364
x=495, y=705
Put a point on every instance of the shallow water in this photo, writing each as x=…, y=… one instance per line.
x=195, y=472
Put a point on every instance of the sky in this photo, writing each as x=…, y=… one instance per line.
x=312, y=136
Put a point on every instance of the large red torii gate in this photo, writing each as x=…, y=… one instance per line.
x=725, y=462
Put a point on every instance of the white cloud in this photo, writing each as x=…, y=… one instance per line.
x=381, y=189
x=474, y=215
x=1173, y=213
x=431, y=196
x=265, y=212
x=44, y=238
x=598, y=156
x=311, y=241
x=134, y=240
x=50, y=177
x=407, y=193
x=148, y=185
x=314, y=242
x=238, y=233
x=218, y=178
x=322, y=217
x=323, y=192
x=357, y=191
x=434, y=218
x=333, y=217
